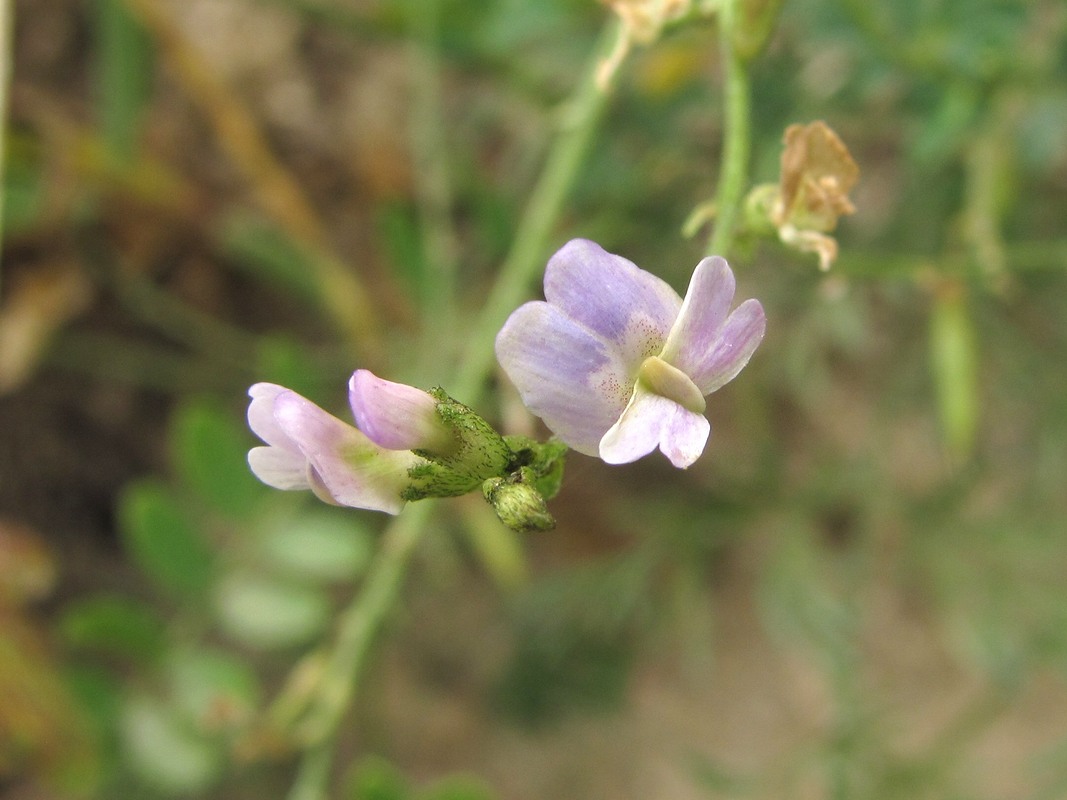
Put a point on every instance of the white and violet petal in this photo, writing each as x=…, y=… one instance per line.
x=396, y=416
x=565, y=373
x=261, y=416
x=612, y=297
x=354, y=470
x=703, y=312
x=650, y=421
x=279, y=468
x=737, y=341
x=705, y=343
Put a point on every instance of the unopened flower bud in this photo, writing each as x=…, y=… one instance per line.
x=518, y=504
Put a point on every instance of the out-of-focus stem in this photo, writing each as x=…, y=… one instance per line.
x=433, y=189
x=524, y=260
x=986, y=163
x=736, y=127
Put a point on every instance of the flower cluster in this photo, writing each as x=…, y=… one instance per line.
x=613, y=361
x=407, y=445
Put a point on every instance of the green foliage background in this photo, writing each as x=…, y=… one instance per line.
x=858, y=591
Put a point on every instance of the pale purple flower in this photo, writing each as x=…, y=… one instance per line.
x=617, y=364
x=397, y=416
x=308, y=448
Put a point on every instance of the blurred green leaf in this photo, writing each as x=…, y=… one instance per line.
x=209, y=451
x=163, y=540
x=573, y=642
x=23, y=189
x=164, y=751
x=283, y=360
x=270, y=613
x=113, y=625
x=213, y=690
x=375, y=778
x=100, y=693
x=319, y=546
x=399, y=231
x=457, y=787
x=953, y=359
x=125, y=62
x=270, y=255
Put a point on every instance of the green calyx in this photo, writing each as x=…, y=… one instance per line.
x=477, y=452
x=517, y=475
x=534, y=476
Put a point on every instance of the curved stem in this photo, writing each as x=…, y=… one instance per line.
x=524, y=260
x=736, y=125
x=363, y=619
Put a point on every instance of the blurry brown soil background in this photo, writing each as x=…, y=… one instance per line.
x=837, y=601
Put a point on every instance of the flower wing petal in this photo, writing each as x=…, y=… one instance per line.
x=612, y=297
x=651, y=420
x=279, y=468
x=707, y=301
x=565, y=373
x=354, y=470
x=737, y=341
x=261, y=416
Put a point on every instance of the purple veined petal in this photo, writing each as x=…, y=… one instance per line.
x=396, y=416
x=612, y=297
x=565, y=373
x=651, y=421
x=280, y=468
x=261, y=416
x=707, y=301
x=354, y=471
x=729, y=354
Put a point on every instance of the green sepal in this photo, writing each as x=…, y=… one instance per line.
x=544, y=459
x=758, y=209
x=480, y=451
x=434, y=480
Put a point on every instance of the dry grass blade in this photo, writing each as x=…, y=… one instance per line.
x=342, y=293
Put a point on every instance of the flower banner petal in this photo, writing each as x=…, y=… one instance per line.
x=565, y=374
x=612, y=297
x=395, y=416
x=261, y=416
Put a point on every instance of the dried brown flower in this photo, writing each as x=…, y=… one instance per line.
x=817, y=174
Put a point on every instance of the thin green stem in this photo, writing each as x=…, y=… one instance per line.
x=363, y=619
x=736, y=125
x=432, y=187
x=359, y=624
x=525, y=259
x=314, y=774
